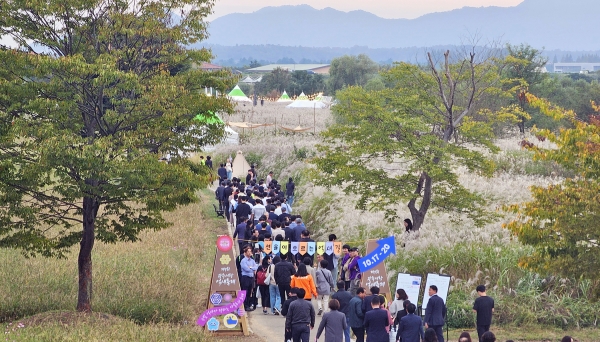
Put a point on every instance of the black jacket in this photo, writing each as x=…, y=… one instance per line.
x=286, y=305
x=222, y=172
x=344, y=297
x=284, y=271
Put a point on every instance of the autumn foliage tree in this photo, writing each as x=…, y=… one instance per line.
x=561, y=221
x=405, y=143
x=95, y=92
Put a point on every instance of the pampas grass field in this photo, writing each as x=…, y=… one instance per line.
x=471, y=255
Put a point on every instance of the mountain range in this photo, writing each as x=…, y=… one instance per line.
x=550, y=24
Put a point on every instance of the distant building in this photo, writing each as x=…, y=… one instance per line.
x=311, y=68
x=576, y=68
x=210, y=67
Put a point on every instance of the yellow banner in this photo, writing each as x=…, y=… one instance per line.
x=320, y=248
x=284, y=248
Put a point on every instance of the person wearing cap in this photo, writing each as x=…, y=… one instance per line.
x=353, y=271
x=342, y=275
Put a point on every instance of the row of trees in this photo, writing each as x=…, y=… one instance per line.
x=293, y=82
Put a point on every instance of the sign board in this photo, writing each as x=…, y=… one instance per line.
x=383, y=249
x=376, y=276
x=411, y=284
x=224, y=314
x=442, y=281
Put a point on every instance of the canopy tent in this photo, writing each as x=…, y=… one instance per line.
x=302, y=97
x=237, y=94
x=296, y=129
x=210, y=118
x=307, y=104
x=240, y=166
x=284, y=97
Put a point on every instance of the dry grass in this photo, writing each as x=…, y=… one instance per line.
x=161, y=280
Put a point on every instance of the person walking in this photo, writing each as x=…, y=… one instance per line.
x=356, y=315
x=343, y=297
x=300, y=318
x=324, y=285
x=248, y=266
x=289, y=191
x=283, y=276
x=334, y=322
x=410, y=328
x=261, y=274
x=274, y=295
x=304, y=281
x=484, y=307
x=376, y=322
x=435, y=313
x=293, y=295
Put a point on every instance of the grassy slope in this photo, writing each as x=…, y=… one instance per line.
x=162, y=279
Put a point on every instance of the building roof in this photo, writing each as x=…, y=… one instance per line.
x=210, y=66
x=290, y=67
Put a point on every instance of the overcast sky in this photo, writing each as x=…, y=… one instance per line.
x=391, y=9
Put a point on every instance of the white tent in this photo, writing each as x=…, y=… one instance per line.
x=231, y=137
x=307, y=104
x=237, y=94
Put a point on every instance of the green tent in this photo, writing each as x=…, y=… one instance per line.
x=284, y=97
x=210, y=118
x=237, y=94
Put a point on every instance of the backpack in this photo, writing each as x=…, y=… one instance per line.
x=261, y=276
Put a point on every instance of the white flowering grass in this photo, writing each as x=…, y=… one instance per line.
x=440, y=229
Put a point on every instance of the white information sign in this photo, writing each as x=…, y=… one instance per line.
x=442, y=282
x=411, y=284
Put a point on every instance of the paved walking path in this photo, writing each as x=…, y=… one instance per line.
x=271, y=328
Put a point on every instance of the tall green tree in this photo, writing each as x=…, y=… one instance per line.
x=309, y=83
x=350, y=71
x=278, y=79
x=94, y=94
x=561, y=221
x=404, y=143
x=524, y=67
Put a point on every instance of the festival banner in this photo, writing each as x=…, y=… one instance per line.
x=284, y=248
x=268, y=247
x=320, y=248
x=294, y=246
x=337, y=248
x=276, y=245
x=303, y=247
x=311, y=248
x=223, y=309
x=329, y=247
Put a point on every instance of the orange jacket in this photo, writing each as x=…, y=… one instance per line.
x=307, y=283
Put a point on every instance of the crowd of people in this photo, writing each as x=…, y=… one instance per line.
x=287, y=284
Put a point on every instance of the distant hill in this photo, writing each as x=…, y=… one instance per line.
x=553, y=24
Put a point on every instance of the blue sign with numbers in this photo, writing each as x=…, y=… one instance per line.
x=385, y=247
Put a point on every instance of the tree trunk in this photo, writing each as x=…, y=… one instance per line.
x=521, y=125
x=90, y=209
x=418, y=215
